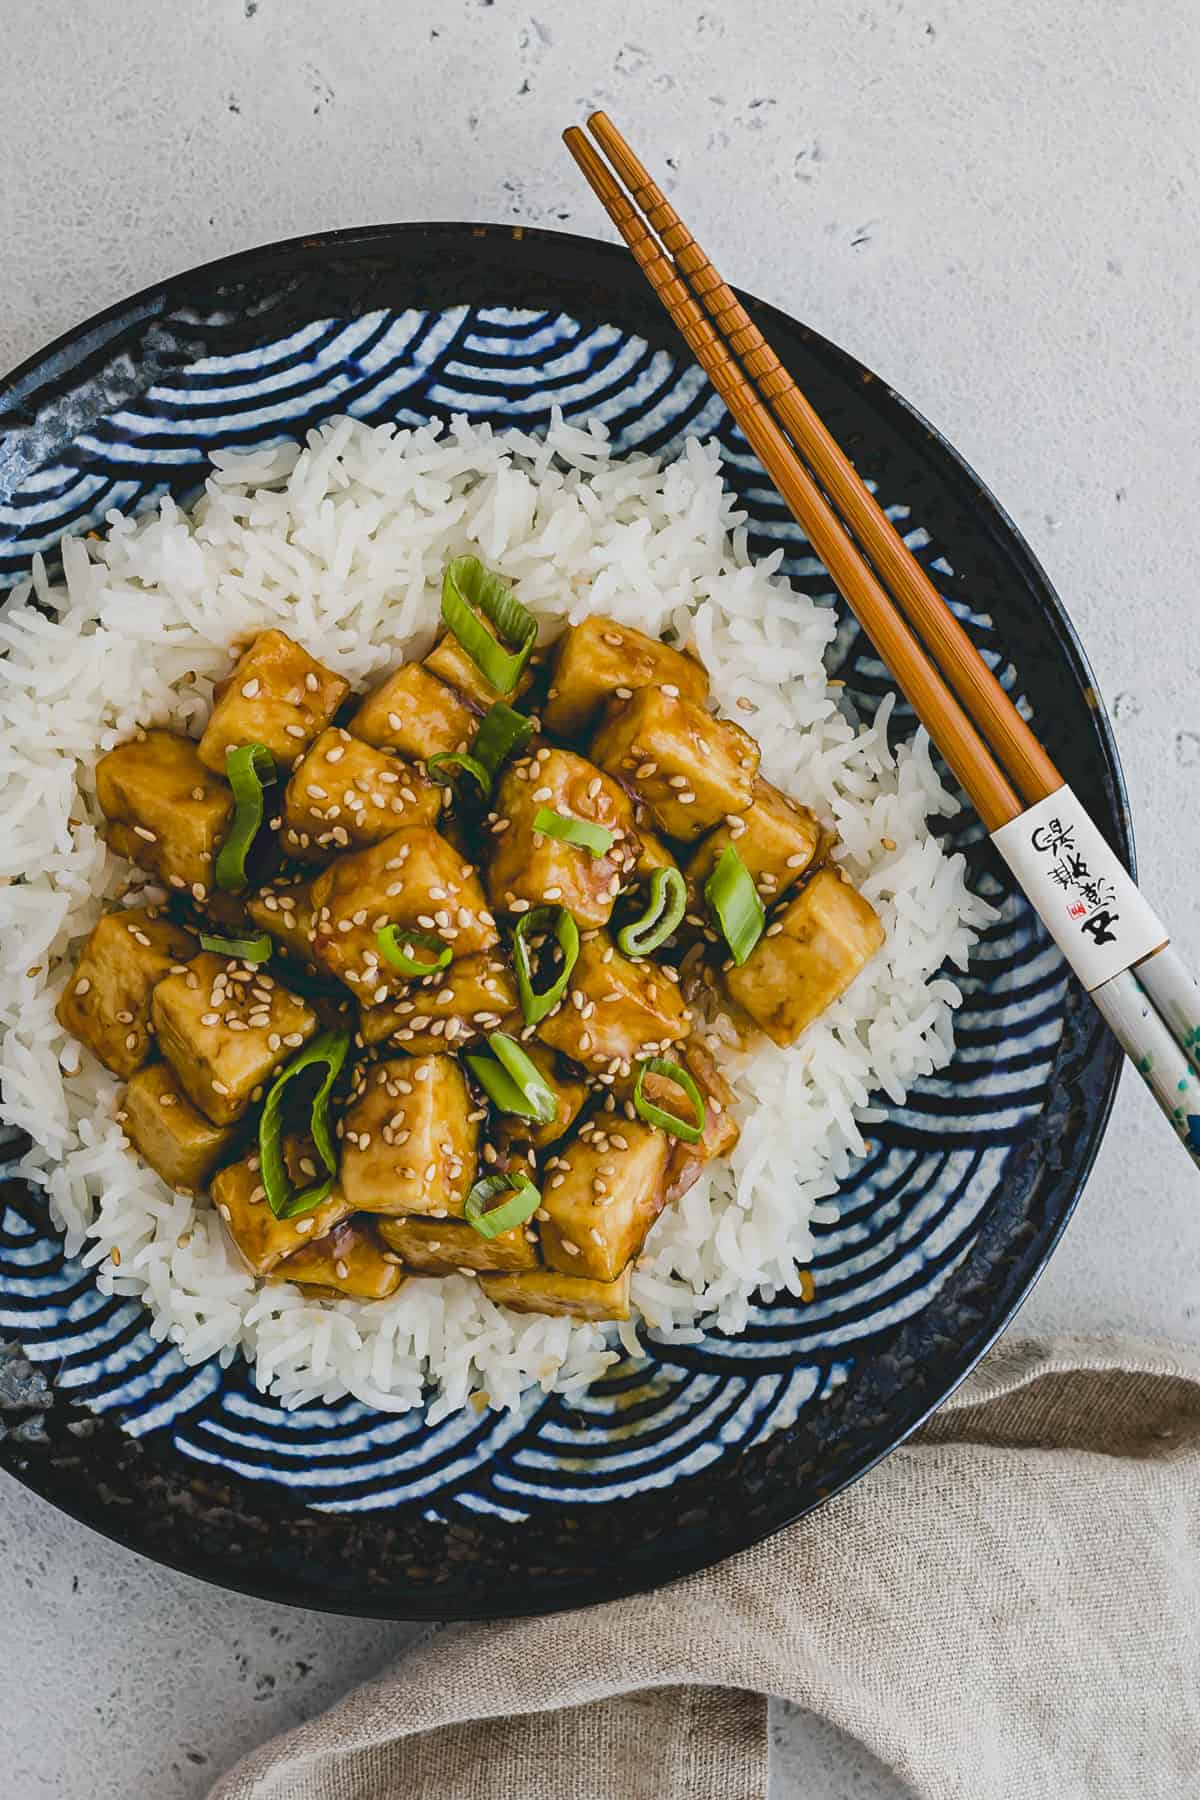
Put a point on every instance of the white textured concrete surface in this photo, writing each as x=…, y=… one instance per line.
x=994, y=205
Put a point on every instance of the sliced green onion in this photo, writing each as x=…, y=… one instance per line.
x=734, y=898
x=393, y=943
x=464, y=764
x=501, y=734
x=249, y=768
x=573, y=831
x=535, y=1005
x=655, y=1115
x=330, y=1049
x=468, y=590
x=668, y=900
x=489, y=1222
x=512, y=1080
x=252, y=950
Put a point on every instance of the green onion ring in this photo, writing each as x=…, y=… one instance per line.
x=502, y=733
x=330, y=1048
x=249, y=768
x=733, y=896
x=668, y=900
x=468, y=589
x=536, y=1005
x=580, y=832
x=512, y=1080
x=392, y=940
x=490, y=1223
x=464, y=763
x=654, y=1115
x=252, y=950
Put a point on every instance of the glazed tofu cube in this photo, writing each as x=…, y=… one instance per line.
x=444, y=1011
x=415, y=713
x=652, y=854
x=599, y=659
x=166, y=1130
x=626, y=1010
x=106, y=1003
x=439, y=1247
x=285, y=910
x=408, y=1142
x=165, y=811
x=225, y=1029
x=775, y=837
x=344, y=794
x=413, y=879
x=809, y=957
x=603, y=1192
x=690, y=768
x=562, y=1296
x=277, y=695
x=449, y=662
x=570, y=1093
x=532, y=866
x=261, y=1239
x=349, y=1260
x=721, y=1129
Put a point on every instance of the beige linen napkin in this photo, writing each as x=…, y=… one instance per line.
x=1007, y=1608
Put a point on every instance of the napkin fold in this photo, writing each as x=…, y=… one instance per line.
x=1007, y=1608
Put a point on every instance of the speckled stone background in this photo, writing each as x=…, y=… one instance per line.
x=994, y=205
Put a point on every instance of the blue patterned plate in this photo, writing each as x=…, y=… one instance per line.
x=673, y=1462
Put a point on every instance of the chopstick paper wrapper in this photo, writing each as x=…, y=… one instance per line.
x=1090, y=904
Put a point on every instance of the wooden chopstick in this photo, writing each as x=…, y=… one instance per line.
x=1156, y=1019
x=948, y=725
x=1018, y=749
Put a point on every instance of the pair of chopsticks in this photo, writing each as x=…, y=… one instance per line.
x=1137, y=981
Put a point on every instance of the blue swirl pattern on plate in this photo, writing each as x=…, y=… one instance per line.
x=910, y=1215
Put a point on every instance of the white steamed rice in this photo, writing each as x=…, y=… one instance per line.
x=341, y=543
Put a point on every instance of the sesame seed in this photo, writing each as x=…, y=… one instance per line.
x=311, y=682
x=83, y=985
x=624, y=693
x=295, y=731
x=798, y=861
x=143, y=831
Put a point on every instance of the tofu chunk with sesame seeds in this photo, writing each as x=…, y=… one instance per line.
x=690, y=768
x=350, y=1260
x=561, y=1296
x=261, y=1239
x=226, y=1028
x=414, y=879
x=449, y=662
x=444, y=1011
x=277, y=695
x=601, y=1194
x=776, y=838
x=169, y=1133
x=344, y=794
x=534, y=867
x=165, y=810
x=441, y=1247
x=615, y=1011
x=285, y=911
x=809, y=956
x=600, y=658
x=106, y=1003
x=652, y=854
x=415, y=713
x=570, y=1092
x=408, y=1138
